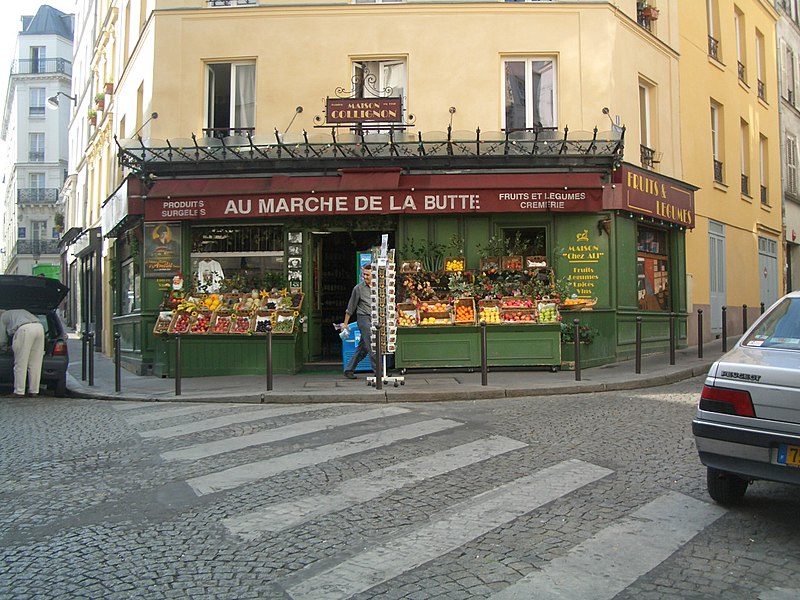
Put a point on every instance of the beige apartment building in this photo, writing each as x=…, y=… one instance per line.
x=240, y=85
x=729, y=118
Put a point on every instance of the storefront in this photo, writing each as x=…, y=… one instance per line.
x=298, y=218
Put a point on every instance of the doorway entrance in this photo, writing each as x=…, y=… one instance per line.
x=335, y=272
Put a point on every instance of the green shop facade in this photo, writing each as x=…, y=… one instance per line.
x=299, y=216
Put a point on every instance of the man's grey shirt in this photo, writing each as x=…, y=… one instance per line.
x=11, y=320
x=360, y=301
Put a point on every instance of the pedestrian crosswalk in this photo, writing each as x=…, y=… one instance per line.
x=604, y=564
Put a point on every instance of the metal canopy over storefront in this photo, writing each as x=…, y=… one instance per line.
x=539, y=149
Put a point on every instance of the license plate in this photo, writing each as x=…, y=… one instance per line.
x=789, y=455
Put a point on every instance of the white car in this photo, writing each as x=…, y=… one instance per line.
x=747, y=425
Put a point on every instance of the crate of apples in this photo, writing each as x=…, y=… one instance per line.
x=240, y=324
x=201, y=323
x=222, y=324
x=519, y=316
x=490, y=315
x=181, y=324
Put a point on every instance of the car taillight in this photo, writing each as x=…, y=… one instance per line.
x=60, y=349
x=725, y=400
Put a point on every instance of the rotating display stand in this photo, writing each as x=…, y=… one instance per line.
x=384, y=314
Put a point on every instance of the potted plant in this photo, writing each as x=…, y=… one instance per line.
x=109, y=88
x=92, y=116
x=100, y=100
x=649, y=12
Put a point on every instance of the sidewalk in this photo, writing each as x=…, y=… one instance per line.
x=418, y=386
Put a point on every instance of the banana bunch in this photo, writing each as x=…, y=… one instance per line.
x=186, y=305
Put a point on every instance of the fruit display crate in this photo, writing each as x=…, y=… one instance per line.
x=221, y=323
x=163, y=321
x=260, y=321
x=548, y=312
x=511, y=263
x=406, y=314
x=284, y=322
x=489, y=311
x=241, y=324
x=454, y=264
x=200, y=322
x=518, y=316
x=464, y=311
x=180, y=323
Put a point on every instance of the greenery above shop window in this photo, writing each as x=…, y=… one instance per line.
x=429, y=252
x=495, y=247
x=586, y=333
x=456, y=245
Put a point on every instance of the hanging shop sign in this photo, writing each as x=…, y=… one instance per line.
x=646, y=193
x=364, y=110
x=162, y=249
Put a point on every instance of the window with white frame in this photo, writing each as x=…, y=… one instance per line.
x=36, y=147
x=529, y=93
x=763, y=154
x=739, y=25
x=36, y=182
x=230, y=98
x=791, y=164
x=380, y=78
x=716, y=141
x=36, y=101
x=788, y=73
x=761, y=66
x=745, y=156
x=712, y=13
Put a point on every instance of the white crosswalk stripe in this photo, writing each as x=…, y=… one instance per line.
x=362, y=489
x=279, y=433
x=259, y=470
x=455, y=527
x=606, y=564
x=159, y=412
x=231, y=419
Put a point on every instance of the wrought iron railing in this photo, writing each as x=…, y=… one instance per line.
x=37, y=195
x=223, y=132
x=718, y=171
x=35, y=156
x=741, y=71
x=713, y=47
x=745, y=185
x=762, y=90
x=36, y=247
x=36, y=111
x=764, y=197
x=43, y=65
x=214, y=3
x=579, y=148
x=647, y=156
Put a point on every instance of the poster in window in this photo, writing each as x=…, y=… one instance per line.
x=162, y=249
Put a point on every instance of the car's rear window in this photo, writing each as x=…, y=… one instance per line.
x=780, y=327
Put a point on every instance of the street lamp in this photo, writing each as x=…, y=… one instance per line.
x=52, y=101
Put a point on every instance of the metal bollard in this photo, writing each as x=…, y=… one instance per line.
x=91, y=358
x=484, y=356
x=744, y=318
x=762, y=308
x=84, y=357
x=117, y=364
x=177, y=365
x=699, y=333
x=576, y=325
x=672, y=338
x=269, y=356
x=724, y=328
x=378, y=360
x=638, y=361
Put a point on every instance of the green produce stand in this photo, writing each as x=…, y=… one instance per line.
x=427, y=347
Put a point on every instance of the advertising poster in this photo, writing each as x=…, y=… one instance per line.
x=162, y=249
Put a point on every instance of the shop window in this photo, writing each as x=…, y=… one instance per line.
x=525, y=241
x=230, y=99
x=236, y=256
x=652, y=269
x=128, y=286
x=529, y=94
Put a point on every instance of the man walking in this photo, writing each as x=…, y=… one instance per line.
x=360, y=306
x=27, y=343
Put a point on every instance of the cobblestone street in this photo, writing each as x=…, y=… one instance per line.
x=585, y=496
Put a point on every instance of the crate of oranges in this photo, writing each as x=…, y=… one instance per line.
x=464, y=311
x=435, y=313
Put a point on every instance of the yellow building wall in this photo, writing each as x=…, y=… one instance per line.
x=704, y=79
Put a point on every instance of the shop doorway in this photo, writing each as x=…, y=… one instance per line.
x=335, y=272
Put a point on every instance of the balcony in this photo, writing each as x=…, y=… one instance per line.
x=647, y=157
x=216, y=3
x=762, y=90
x=44, y=65
x=718, y=171
x=745, y=185
x=35, y=156
x=713, y=48
x=36, y=247
x=37, y=196
x=741, y=71
x=764, y=197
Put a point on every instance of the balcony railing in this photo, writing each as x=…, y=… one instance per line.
x=713, y=48
x=647, y=156
x=741, y=71
x=223, y=132
x=745, y=185
x=718, y=171
x=764, y=197
x=762, y=90
x=214, y=3
x=43, y=65
x=34, y=156
x=36, y=247
x=36, y=111
x=37, y=196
